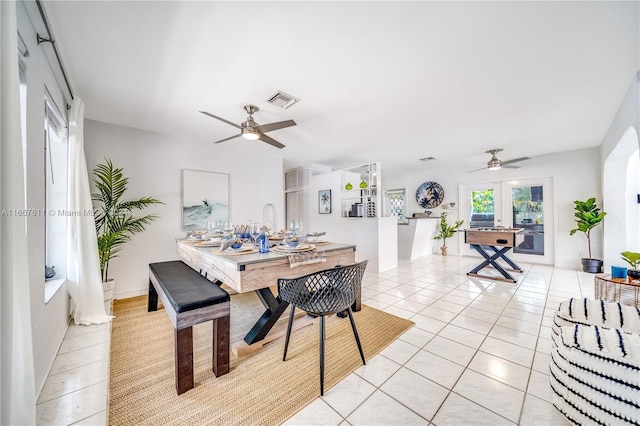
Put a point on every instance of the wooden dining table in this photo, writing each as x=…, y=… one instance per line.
x=258, y=272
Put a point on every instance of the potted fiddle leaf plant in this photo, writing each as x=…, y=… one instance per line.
x=587, y=216
x=633, y=259
x=446, y=231
x=114, y=216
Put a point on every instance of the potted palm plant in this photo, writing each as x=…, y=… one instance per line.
x=588, y=216
x=446, y=231
x=633, y=259
x=114, y=217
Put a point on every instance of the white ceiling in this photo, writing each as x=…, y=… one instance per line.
x=378, y=81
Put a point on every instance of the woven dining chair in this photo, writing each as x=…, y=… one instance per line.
x=323, y=293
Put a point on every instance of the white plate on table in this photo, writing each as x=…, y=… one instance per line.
x=239, y=249
x=299, y=247
x=209, y=243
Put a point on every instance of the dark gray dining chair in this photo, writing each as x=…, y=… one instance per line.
x=323, y=293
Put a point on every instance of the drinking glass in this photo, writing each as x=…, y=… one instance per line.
x=228, y=231
x=293, y=227
x=255, y=231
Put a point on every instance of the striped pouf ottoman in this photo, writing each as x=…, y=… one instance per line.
x=595, y=362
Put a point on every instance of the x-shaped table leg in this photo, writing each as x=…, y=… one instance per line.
x=491, y=260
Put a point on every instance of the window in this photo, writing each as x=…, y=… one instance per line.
x=23, y=54
x=296, y=195
x=55, y=165
x=396, y=203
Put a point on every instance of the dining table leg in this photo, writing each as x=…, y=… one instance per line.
x=274, y=309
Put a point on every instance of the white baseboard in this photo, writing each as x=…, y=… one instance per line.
x=128, y=294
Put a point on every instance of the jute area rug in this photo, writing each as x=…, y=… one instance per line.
x=260, y=389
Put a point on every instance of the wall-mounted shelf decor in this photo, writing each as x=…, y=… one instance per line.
x=361, y=199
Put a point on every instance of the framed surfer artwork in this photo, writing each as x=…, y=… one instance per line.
x=205, y=198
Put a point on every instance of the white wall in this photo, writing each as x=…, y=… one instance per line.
x=621, y=206
x=49, y=321
x=153, y=163
x=576, y=176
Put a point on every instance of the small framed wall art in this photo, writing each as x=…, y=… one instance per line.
x=324, y=201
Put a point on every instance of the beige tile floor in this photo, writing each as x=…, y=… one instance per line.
x=478, y=354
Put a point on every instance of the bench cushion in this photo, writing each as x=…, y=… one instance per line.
x=185, y=288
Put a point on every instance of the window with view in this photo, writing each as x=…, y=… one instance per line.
x=396, y=203
x=55, y=165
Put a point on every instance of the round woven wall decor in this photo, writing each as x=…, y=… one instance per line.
x=430, y=195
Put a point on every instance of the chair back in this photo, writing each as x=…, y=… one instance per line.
x=324, y=292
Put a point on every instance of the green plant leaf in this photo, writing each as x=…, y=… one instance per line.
x=114, y=218
x=587, y=216
x=446, y=230
x=632, y=258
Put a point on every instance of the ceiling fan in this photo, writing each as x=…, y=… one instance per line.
x=497, y=164
x=249, y=129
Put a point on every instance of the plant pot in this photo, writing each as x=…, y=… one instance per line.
x=633, y=274
x=107, y=289
x=592, y=266
x=443, y=249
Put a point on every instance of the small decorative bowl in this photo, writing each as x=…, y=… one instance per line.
x=236, y=245
x=293, y=243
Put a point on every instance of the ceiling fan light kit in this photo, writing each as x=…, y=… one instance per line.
x=251, y=130
x=250, y=134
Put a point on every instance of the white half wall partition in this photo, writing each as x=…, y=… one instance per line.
x=376, y=239
x=415, y=238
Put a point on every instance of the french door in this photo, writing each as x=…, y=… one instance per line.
x=526, y=204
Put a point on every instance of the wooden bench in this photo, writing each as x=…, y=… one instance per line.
x=190, y=299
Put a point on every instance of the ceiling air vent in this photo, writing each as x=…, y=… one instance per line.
x=427, y=158
x=282, y=100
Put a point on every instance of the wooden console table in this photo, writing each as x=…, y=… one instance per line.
x=482, y=240
x=622, y=290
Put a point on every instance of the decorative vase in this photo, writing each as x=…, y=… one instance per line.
x=107, y=289
x=443, y=249
x=633, y=274
x=592, y=266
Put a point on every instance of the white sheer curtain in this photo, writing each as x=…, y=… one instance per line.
x=17, y=388
x=83, y=267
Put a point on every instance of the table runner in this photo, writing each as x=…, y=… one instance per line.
x=309, y=257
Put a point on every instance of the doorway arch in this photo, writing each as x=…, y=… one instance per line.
x=621, y=186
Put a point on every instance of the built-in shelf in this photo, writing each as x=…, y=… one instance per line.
x=361, y=202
